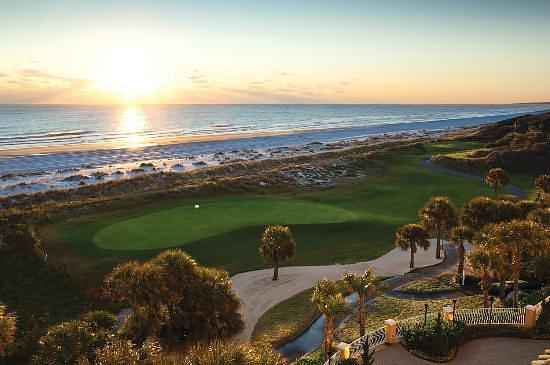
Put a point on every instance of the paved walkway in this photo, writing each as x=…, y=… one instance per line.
x=485, y=351
x=516, y=190
x=259, y=293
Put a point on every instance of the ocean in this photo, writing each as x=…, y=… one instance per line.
x=44, y=147
x=52, y=125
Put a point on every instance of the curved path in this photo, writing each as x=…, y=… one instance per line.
x=484, y=351
x=425, y=162
x=259, y=293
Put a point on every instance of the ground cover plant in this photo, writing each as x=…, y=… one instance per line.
x=440, y=284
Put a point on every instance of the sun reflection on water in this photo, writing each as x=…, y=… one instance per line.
x=132, y=124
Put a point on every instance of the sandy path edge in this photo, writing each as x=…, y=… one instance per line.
x=258, y=292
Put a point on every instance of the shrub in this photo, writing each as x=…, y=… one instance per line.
x=100, y=319
x=535, y=296
x=435, y=339
x=543, y=322
x=67, y=342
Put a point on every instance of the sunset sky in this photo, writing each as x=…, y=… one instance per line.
x=274, y=52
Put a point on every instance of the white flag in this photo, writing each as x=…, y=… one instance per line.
x=197, y=206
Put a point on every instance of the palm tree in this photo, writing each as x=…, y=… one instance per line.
x=543, y=184
x=518, y=239
x=410, y=237
x=458, y=236
x=363, y=285
x=438, y=215
x=329, y=300
x=479, y=261
x=278, y=245
x=495, y=177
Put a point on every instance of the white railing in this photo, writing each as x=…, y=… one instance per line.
x=510, y=316
x=494, y=316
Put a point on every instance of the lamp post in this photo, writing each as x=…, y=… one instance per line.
x=425, y=313
x=491, y=299
x=454, y=309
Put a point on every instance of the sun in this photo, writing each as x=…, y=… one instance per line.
x=128, y=72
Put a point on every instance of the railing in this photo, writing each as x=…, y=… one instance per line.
x=510, y=316
x=494, y=316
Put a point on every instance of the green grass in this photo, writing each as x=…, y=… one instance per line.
x=285, y=320
x=181, y=225
x=385, y=308
x=350, y=223
x=441, y=284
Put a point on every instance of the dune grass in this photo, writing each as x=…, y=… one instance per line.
x=350, y=223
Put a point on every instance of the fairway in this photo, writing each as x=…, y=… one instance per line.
x=349, y=223
x=185, y=224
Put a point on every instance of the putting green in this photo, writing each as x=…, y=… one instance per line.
x=182, y=225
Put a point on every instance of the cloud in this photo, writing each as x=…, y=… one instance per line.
x=196, y=77
x=3, y=75
x=284, y=73
x=37, y=75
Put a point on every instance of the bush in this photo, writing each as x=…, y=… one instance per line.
x=535, y=296
x=67, y=342
x=435, y=339
x=543, y=322
x=100, y=319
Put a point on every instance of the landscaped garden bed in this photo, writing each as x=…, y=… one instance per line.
x=441, y=284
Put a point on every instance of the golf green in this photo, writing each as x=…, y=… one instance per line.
x=185, y=224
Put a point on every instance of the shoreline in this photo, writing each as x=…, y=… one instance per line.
x=49, y=168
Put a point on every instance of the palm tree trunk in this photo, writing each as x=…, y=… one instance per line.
x=502, y=288
x=461, y=252
x=485, y=288
x=438, y=247
x=362, y=300
x=516, y=288
x=412, y=259
x=276, y=270
x=516, y=269
x=328, y=336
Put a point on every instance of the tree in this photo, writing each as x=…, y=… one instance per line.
x=543, y=184
x=277, y=245
x=410, y=237
x=193, y=302
x=363, y=284
x=518, y=239
x=480, y=211
x=438, y=215
x=368, y=353
x=479, y=261
x=330, y=302
x=497, y=177
x=458, y=236
x=541, y=216
x=8, y=326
